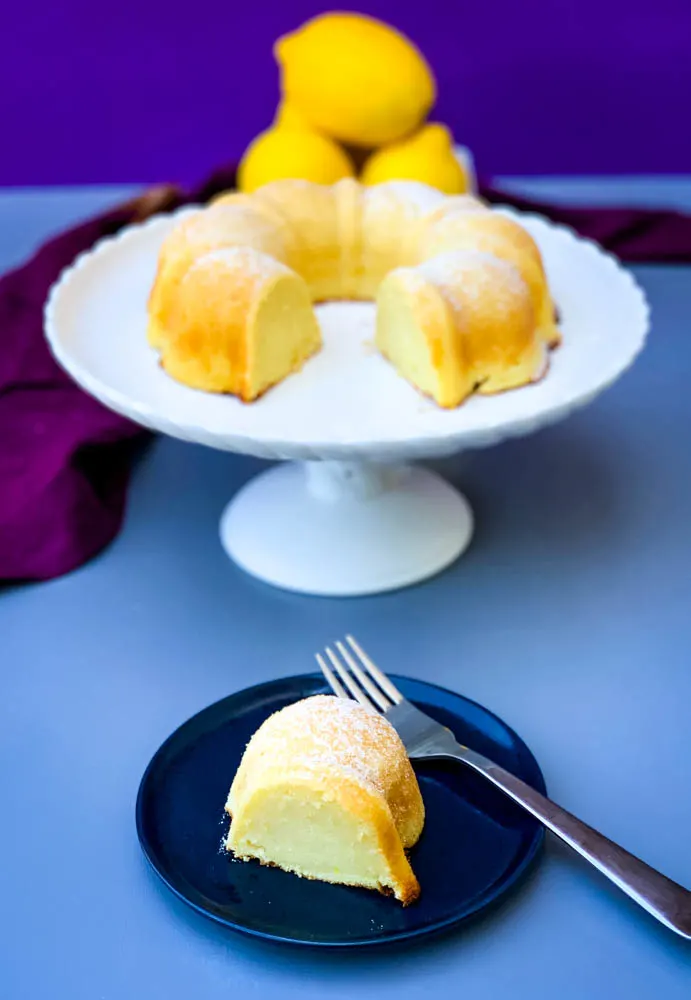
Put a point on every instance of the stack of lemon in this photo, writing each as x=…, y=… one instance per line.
x=355, y=93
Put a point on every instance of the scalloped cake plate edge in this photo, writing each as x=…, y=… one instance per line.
x=555, y=241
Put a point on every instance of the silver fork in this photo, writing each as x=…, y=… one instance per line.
x=352, y=674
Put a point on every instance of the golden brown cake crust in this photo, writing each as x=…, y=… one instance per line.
x=342, y=241
x=343, y=754
x=334, y=738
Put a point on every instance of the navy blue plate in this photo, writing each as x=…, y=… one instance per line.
x=475, y=845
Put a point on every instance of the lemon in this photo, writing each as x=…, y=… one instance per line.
x=288, y=116
x=290, y=152
x=426, y=156
x=355, y=78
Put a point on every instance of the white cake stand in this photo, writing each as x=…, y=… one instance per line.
x=348, y=514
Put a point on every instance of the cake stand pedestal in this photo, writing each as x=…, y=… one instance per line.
x=342, y=529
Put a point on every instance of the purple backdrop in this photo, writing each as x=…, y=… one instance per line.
x=140, y=91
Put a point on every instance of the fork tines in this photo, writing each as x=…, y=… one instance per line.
x=351, y=673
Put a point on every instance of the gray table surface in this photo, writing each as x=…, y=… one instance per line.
x=570, y=616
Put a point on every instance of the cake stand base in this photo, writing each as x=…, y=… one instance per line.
x=343, y=529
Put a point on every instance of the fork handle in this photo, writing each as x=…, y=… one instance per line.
x=664, y=899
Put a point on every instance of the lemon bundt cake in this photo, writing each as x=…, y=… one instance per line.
x=421, y=309
x=325, y=789
x=243, y=321
x=495, y=234
x=462, y=296
x=236, y=223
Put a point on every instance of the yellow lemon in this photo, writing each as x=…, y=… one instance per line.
x=288, y=116
x=426, y=156
x=355, y=78
x=287, y=152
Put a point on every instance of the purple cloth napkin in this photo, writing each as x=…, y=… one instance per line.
x=64, y=459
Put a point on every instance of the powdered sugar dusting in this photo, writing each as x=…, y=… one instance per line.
x=217, y=222
x=255, y=265
x=328, y=733
x=468, y=275
x=421, y=196
x=455, y=265
x=460, y=204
